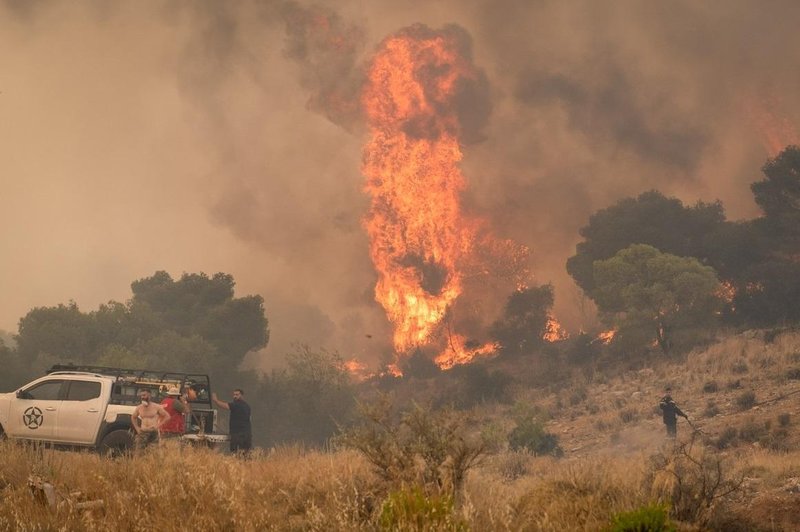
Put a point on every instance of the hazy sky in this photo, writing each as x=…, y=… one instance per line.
x=138, y=136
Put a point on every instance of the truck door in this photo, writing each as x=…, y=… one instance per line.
x=81, y=411
x=34, y=413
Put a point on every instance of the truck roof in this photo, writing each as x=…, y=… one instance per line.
x=125, y=373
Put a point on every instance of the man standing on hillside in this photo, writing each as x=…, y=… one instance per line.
x=670, y=412
x=240, y=429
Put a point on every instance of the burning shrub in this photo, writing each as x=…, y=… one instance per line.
x=523, y=325
x=672, y=301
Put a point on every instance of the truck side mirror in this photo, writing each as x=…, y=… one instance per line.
x=23, y=395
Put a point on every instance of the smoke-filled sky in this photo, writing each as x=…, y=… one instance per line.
x=185, y=136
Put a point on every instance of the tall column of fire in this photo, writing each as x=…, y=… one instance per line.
x=417, y=231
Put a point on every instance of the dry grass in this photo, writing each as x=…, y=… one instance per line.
x=172, y=488
x=296, y=489
x=609, y=430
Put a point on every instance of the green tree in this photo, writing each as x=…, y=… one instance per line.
x=779, y=195
x=653, y=219
x=655, y=296
x=523, y=324
x=195, y=322
x=12, y=374
x=769, y=296
x=203, y=306
x=307, y=401
x=62, y=331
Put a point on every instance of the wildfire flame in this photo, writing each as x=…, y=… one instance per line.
x=417, y=231
x=460, y=352
x=555, y=332
x=358, y=370
x=777, y=132
x=606, y=337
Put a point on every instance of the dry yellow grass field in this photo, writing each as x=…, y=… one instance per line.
x=741, y=472
x=292, y=489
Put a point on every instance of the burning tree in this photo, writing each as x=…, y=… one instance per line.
x=656, y=296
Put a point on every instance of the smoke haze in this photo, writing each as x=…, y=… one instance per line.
x=227, y=136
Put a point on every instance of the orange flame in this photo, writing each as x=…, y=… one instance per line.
x=358, y=370
x=417, y=231
x=555, y=332
x=606, y=337
x=726, y=291
x=459, y=352
x=777, y=132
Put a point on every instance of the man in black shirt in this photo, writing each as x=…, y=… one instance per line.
x=240, y=430
x=670, y=412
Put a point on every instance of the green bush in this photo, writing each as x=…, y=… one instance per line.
x=652, y=518
x=529, y=434
x=412, y=509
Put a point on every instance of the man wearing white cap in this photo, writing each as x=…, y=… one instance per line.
x=176, y=407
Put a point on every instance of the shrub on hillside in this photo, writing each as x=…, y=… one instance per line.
x=746, y=400
x=308, y=401
x=710, y=387
x=628, y=415
x=529, y=434
x=651, y=518
x=476, y=385
x=694, y=480
x=739, y=367
x=434, y=449
x=412, y=509
x=727, y=438
x=711, y=409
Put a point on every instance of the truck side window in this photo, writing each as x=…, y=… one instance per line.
x=44, y=391
x=83, y=391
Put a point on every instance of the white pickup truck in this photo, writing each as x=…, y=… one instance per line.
x=91, y=407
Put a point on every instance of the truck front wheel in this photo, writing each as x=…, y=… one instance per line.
x=116, y=443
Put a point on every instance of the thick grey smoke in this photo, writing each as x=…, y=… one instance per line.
x=224, y=136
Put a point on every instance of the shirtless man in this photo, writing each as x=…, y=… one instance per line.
x=147, y=419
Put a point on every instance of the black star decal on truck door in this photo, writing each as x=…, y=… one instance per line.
x=33, y=418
